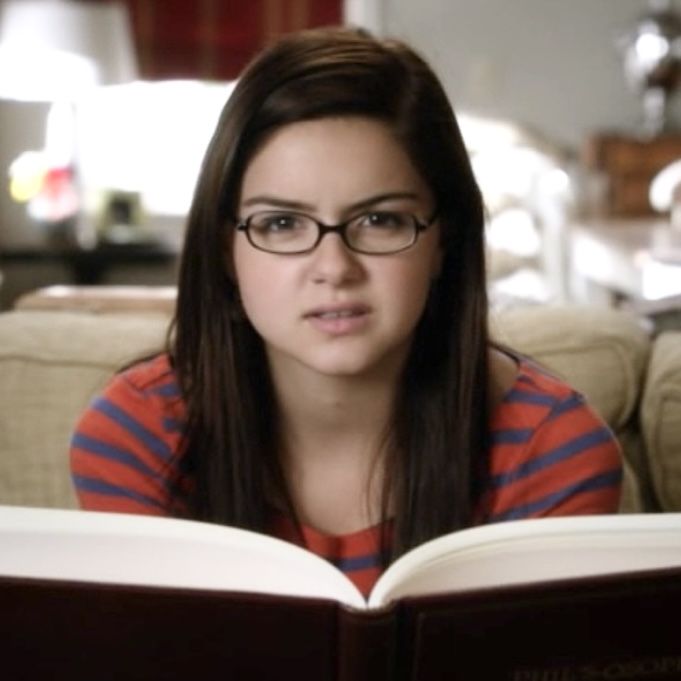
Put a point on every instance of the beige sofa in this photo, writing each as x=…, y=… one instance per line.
x=53, y=362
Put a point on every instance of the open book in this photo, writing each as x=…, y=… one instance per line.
x=577, y=596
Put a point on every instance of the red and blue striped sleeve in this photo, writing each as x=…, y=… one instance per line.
x=125, y=449
x=551, y=454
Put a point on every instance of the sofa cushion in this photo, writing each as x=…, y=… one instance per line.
x=601, y=352
x=51, y=364
x=661, y=419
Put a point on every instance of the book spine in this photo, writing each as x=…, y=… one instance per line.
x=366, y=645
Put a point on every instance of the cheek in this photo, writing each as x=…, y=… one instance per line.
x=248, y=276
x=256, y=292
x=408, y=289
x=263, y=287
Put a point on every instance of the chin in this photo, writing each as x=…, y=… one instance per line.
x=357, y=365
x=339, y=367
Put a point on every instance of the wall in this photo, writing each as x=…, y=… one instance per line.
x=22, y=128
x=552, y=64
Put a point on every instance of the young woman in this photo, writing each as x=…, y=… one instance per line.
x=330, y=379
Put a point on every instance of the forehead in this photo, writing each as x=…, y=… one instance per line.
x=331, y=161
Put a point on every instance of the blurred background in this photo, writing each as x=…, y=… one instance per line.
x=569, y=111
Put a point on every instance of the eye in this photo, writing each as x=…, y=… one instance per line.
x=385, y=220
x=277, y=222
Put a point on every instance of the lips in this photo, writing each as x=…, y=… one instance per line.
x=337, y=314
x=338, y=319
x=338, y=311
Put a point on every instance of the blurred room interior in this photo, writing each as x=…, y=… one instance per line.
x=568, y=110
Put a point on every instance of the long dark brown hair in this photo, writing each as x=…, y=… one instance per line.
x=438, y=440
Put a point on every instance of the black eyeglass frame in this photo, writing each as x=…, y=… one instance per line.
x=243, y=225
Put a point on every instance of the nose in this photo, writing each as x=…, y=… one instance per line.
x=333, y=262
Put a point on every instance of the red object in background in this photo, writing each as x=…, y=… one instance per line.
x=59, y=198
x=214, y=39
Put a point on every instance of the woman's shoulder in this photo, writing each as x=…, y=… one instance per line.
x=530, y=393
x=149, y=385
x=150, y=374
x=551, y=453
x=126, y=447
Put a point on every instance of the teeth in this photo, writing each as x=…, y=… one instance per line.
x=338, y=315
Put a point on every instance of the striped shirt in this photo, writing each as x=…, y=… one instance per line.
x=550, y=455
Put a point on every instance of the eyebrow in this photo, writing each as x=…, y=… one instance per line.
x=359, y=205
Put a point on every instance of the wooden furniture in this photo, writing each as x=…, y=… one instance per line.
x=27, y=269
x=88, y=266
x=628, y=164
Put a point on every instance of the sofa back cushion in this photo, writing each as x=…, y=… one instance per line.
x=601, y=352
x=51, y=365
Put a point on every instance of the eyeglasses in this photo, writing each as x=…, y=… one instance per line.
x=373, y=233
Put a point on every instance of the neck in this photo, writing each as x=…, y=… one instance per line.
x=333, y=435
x=333, y=449
x=333, y=414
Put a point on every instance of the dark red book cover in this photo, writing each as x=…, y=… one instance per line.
x=613, y=627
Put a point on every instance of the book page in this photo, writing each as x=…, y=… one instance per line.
x=144, y=550
x=537, y=550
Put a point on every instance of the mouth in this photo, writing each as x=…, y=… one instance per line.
x=343, y=312
x=339, y=320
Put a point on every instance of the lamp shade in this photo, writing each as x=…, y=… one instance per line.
x=55, y=48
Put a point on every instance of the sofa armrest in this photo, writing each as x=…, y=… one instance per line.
x=52, y=363
x=661, y=420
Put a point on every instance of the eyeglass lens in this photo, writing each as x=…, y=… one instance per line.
x=375, y=232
